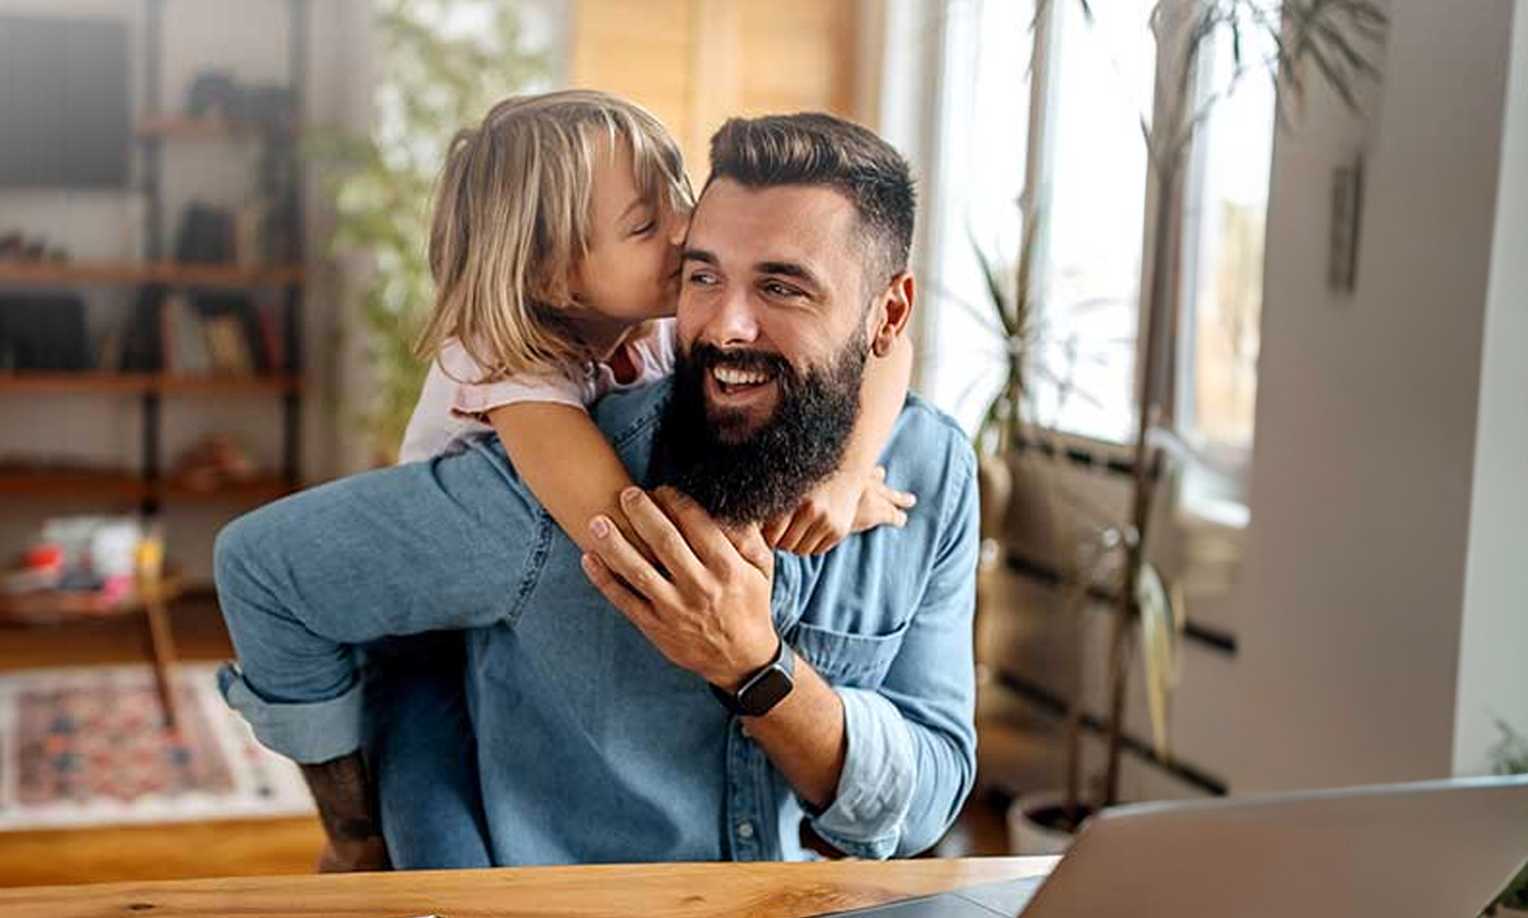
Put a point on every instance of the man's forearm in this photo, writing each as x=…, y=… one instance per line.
x=804, y=737
x=346, y=799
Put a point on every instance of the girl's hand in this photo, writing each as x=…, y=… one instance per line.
x=837, y=507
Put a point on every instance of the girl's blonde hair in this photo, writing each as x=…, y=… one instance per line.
x=511, y=222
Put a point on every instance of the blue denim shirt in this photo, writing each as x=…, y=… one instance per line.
x=590, y=745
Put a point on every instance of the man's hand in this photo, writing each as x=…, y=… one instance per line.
x=844, y=504
x=707, y=608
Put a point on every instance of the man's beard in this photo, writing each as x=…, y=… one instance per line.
x=750, y=477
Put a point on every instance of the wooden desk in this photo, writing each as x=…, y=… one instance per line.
x=689, y=890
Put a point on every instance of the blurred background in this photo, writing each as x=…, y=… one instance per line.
x=1228, y=293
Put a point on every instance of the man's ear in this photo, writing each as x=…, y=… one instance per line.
x=896, y=308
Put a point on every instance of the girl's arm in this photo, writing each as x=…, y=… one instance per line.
x=539, y=437
x=856, y=497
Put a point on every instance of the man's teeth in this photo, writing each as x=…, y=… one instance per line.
x=731, y=377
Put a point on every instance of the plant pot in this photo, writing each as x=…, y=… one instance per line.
x=1036, y=823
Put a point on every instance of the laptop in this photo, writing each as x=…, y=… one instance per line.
x=1434, y=849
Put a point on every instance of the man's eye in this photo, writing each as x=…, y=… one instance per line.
x=701, y=278
x=775, y=288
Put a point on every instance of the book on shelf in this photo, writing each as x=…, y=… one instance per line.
x=272, y=340
x=185, y=341
x=241, y=339
x=219, y=334
x=227, y=346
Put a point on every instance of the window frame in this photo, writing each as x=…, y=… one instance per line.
x=1216, y=481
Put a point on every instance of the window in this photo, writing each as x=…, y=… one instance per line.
x=1091, y=198
x=1222, y=298
x=1066, y=132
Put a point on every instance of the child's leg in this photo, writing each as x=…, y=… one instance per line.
x=421, y=750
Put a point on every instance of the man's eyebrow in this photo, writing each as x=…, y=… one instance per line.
x=789, y=269
x=700, y=255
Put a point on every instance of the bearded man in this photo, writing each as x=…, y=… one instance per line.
x=731, y=693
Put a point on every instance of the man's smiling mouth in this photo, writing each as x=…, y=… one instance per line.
x=735, y=388
x=732, y=380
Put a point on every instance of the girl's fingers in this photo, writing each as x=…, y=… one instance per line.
x=880, y=506
x=801, y=523
x=878, y=510
x=749, y=542
x=775, y=528
x=818, y=539
x=903, y=499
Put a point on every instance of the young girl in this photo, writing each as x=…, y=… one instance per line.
x=554, y=247
x=554, y=244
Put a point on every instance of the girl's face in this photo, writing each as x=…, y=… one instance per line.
x=632, y=270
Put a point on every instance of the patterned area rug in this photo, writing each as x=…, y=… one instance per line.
x=87, y=746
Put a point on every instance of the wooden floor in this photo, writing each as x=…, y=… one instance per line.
x=225, y=848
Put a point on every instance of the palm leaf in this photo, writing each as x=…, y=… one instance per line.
x=992, y=279
x=1161, y=622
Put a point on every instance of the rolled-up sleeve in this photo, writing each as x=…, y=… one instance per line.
x=910, y=757
x=451, y=543
x=877, y=783
x=310, y=732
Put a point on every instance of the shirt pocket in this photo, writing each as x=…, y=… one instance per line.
x=842, y=658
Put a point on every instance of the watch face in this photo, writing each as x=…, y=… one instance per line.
x=765, y=692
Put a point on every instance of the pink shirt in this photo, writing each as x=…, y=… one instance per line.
x=450, y=412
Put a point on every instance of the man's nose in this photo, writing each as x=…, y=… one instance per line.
x=734, y=322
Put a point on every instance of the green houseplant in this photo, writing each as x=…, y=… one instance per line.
x=1510, y=757
x=1333, y=38
x=1032, y=352
x=442, y=64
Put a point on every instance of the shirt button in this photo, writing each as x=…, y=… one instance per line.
x=745, y=830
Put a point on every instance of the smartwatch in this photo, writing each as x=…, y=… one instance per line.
x=764, y=689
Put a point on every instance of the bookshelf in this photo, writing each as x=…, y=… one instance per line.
x=168, y=273
x=156, y=277
x=72, y=484
x=180, y=127
x=39, y=383
x=94, y=485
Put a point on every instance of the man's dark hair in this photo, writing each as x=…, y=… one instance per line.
x=813, y=148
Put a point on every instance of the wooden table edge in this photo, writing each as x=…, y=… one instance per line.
x=768, y=890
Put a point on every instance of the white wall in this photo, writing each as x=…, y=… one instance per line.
x=1493, y=659
x=1381, y=606
x=248, y=38
x=1361, y=493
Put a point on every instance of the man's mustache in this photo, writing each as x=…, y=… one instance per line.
x=705, y=357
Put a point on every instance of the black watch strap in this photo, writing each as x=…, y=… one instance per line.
x=764, y=689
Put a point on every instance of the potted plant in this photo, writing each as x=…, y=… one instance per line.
x=1510, y=757
x=1332, y=36
x=1040, y=822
